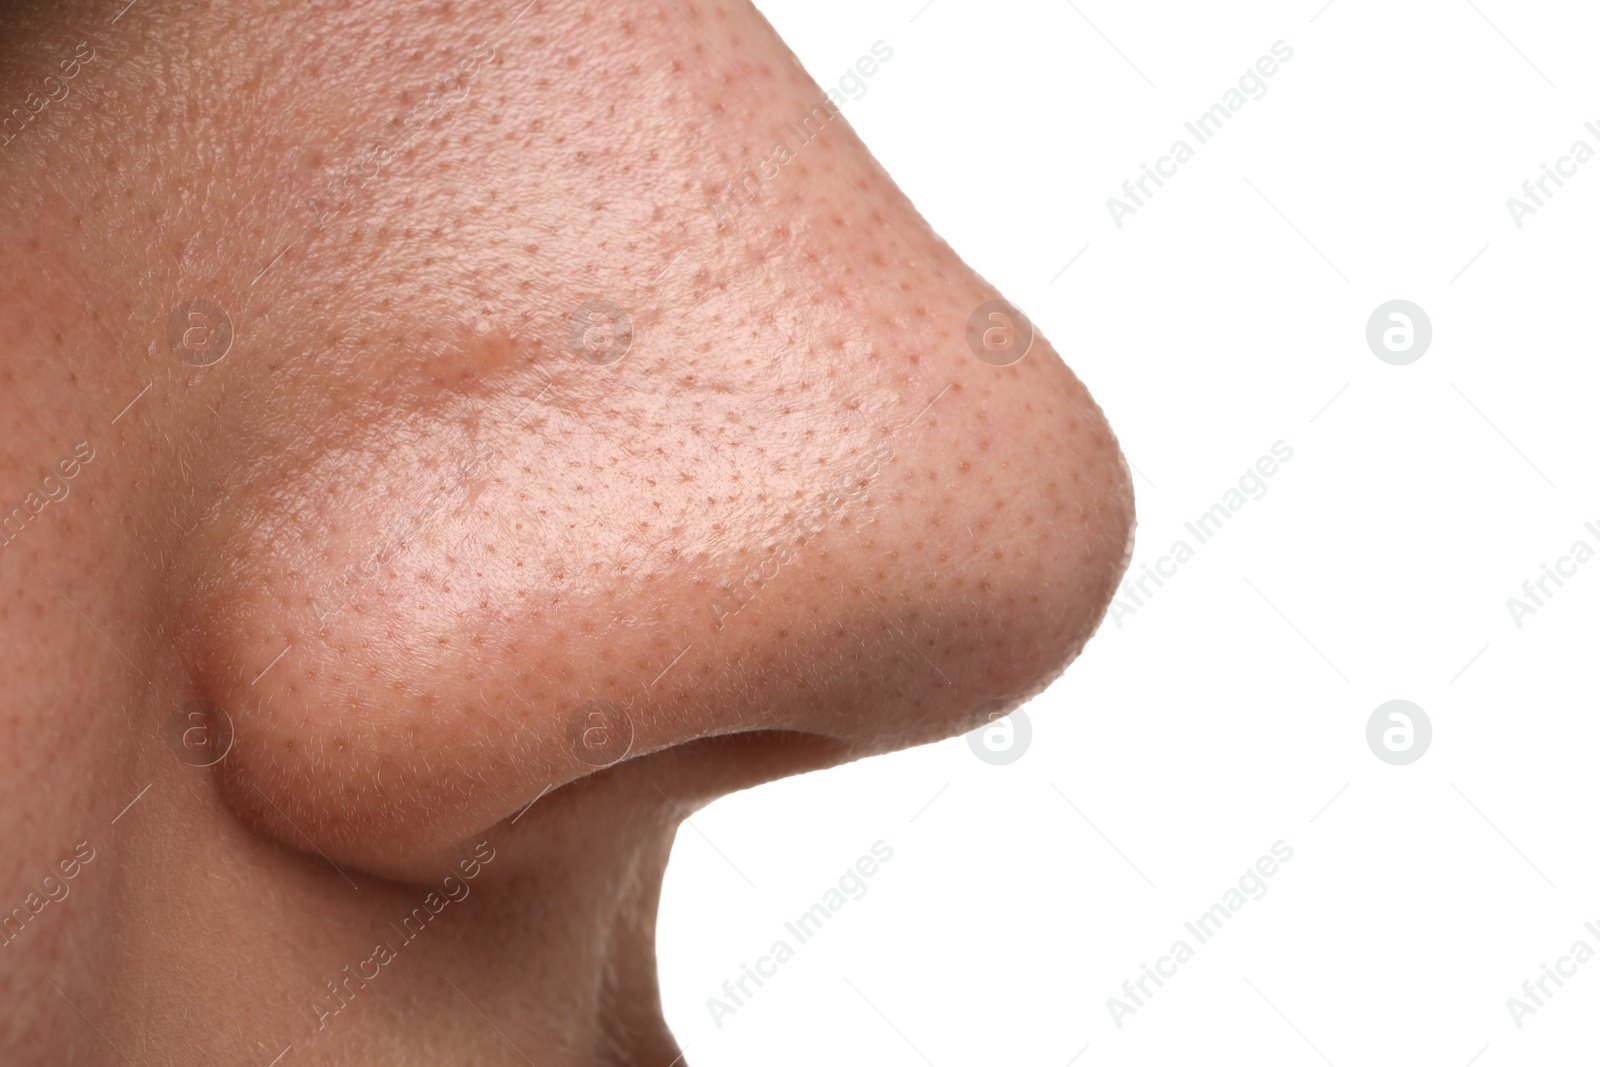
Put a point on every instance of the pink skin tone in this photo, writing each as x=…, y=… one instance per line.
x=402, y=536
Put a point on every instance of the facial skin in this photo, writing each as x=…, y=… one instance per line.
x=429, y=564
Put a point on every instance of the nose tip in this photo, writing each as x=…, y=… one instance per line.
x=954, y=569
x=1028, y=515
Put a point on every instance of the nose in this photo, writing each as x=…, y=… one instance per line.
x=876, y=564
x=792, y=473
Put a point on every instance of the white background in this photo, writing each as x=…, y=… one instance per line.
x=1226, y=714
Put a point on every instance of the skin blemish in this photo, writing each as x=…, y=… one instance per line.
x=470, y=357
